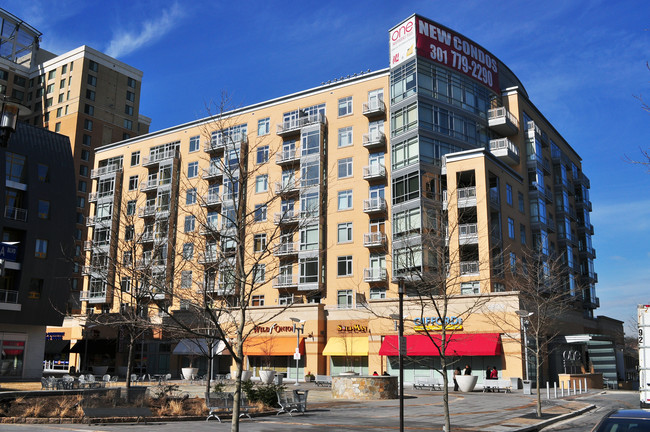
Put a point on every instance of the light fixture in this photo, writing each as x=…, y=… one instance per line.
x=298, y=327
x=9, y=112
x=523, y=315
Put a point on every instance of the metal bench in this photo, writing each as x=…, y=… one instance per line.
x=323, y=381
x=218, y=404
x=428, y=384
x=496, y=385
x=288, y=404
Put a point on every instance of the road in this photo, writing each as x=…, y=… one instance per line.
x=604, y=402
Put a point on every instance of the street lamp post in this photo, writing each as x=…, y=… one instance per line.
x=523, y=314
x=402, y=351
x=298, y=327
x=10, y=110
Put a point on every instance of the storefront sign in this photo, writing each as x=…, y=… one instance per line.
x=274, y=328
x=435, y=323
x=54, y=335
x=356, y=328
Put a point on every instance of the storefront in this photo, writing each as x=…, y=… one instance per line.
x=57, y=352
x=348, y=350
x=196, y=353
x=276, y=352
x=12, y=354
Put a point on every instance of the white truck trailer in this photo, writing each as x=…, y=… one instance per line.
x=644, y=355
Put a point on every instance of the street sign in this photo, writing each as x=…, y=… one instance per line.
x=8, y=251
x=296, y=356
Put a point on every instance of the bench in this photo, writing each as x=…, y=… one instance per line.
x=323, y=381
x=496, y=385
x=428, y=384
x=218, y=404
x=288, y=404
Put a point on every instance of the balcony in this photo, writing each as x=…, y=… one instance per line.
x=535, y=161
x=93, y=297
x=285, y=249
x=374, y=172
x=374, y=139
x=505, y=150
x=287, y=217
x=212, y=173
x=375, y=275
x=502, y=121
x=96, y=245
x=374, y=205
x=211, y=200
x=468, y=234
x=467, y=197
x=225, y=289
x=373, y=108
x=208, y=258
x=294, y=125
x=285, y=281
x=156, y=158
x=287, y=156
x=146, y=237
x=100, y=221
x=8, y=296
x=469, y=268
x=16, y=213
x=287, y=187
x=108, y=169
x=153, y=210
x=374, y=239
x=149, y=185
x=210, y=228
x=90, y=270
x=583, y=180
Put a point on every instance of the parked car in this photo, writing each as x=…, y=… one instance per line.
x=625, y=420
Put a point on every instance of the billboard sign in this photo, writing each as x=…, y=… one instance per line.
x=446, y=47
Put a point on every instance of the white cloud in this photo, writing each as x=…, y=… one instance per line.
x=125, y=42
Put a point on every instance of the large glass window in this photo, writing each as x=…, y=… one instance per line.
x=404, y=119
x=407, y=222
x=15, y=167
x=345, y=136
x=405, y=153
x=309, y=238
x=406, y=188
x=41, y=248
x=310, y=142
x=345, y=200
x=308, y=270
x=310, y=173
x=402, y=82
x=344, y=265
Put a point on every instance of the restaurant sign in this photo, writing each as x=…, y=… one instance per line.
x=435, y=323
x=273, y=328
x=355, y=328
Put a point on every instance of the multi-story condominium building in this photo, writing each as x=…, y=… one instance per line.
x=349, y=186
x=84, y=94
x=37, y=226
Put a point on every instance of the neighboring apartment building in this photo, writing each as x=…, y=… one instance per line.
x=38, y=219
x=84, y=94
x=345, y=181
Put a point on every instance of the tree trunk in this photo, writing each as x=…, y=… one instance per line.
x=537, y=369
x=237, y=396
x=129, y=363
x=208, y=378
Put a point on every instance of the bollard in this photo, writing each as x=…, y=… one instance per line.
x=562, y=388
x=580, y=384
x=548, y=391
x=574, y=388
x=585, y=385
x=554, y=390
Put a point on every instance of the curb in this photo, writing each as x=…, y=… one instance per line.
x=557, y=419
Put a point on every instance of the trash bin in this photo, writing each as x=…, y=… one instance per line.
x=300, y=397
x=527, y=386
x=514, y=382
x=278, y=379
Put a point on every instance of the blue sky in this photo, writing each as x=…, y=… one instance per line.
x=582, y=62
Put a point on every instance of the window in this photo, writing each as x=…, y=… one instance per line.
x=195, y=143
x=128, y=110
x=130, y=96
x=88, y=125
x=345, y=232
x=190, y=196
x=345, y=200
x=259, y=242
x=308, y=270
x=129, y=231
x=89, y=109
x=85, y=155
x=128, y=124
x=260, y=212
x=125, y=283
x=90, y=94
x=87, y=140
x=509, y=194
x=257, y=300
x=133, y=183
x=83, y=170
x=345, y=136
x=511, y=228
x=345, y=167
x=377, y=293
x=467, y=288
x=188, y=251
x=57, y=127
x=285, y=299
x=345, y=106
x=82, y=186
x=520, y=198
x=522, y=234
x=259, y=273
x=130, y=207
x=135, y=158
x=261, y=183
x=190, y=222
x=263, y=126
x=344, y=299
x=130, y=82
x=41, y=248
x=42, y=172
x=43, y=209
x=15, y=167
x=50, y=88
x=309, y=238
x=48, y=103
x=513, y=262
x=61, y=97
x=186, y=279
x=344, y=265
x=91, y=65
x=192, y=169
x=81, y=202
x=92, y=80
x=406, y=188
x=262, y=154
x=19, y=81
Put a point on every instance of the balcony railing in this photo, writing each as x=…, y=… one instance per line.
x=211, y=199
x=373, y=139
x=96, y=220
x=374, y=239
x=211, y=173
x=373, y=205
x=286, y=187
x=208, y=258
x=502, y=121
x=374, y=275
x=374, y=171
x=286, y=217
x=286, y=156
x=469, y=268
x=149, y=185
x=285, y=281
x=468, y=233
x=505, y=150
x=108, y=169
x=284, y=249
x=467, y=197
x=88, y=270
x=16, y=213
x=158, y=157
x=295, y=124
x=373, y=107
x=93, y=296
x=8, y=296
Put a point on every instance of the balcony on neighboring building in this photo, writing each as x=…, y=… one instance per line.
x=225, y=289
x=211, y=228
x=149, y=185
x=374, y=205
x=287, y=187
x=16, y=213
x=502, y=121
x=285, y=281
x=375, y=274
x=8, y=297
x=469, y=268
x=287, y=156
x=286, y=217
x=156, y=158
x=374, y=239
x=211, y=200
x=294, y=125
x=467, y=197
x=505, y=150
x=98, y=221
x=94, y=297
x=286, y=249
x=212, y=173
x=374, y=139
x=94, y=270
x=108, y=169
x=374, y=172
x=208, y=258
x=373, y=108
x=468, y=234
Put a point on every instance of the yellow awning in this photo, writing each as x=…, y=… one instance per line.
x=346, y=346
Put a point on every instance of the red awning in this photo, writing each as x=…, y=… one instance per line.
x=459, y=344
